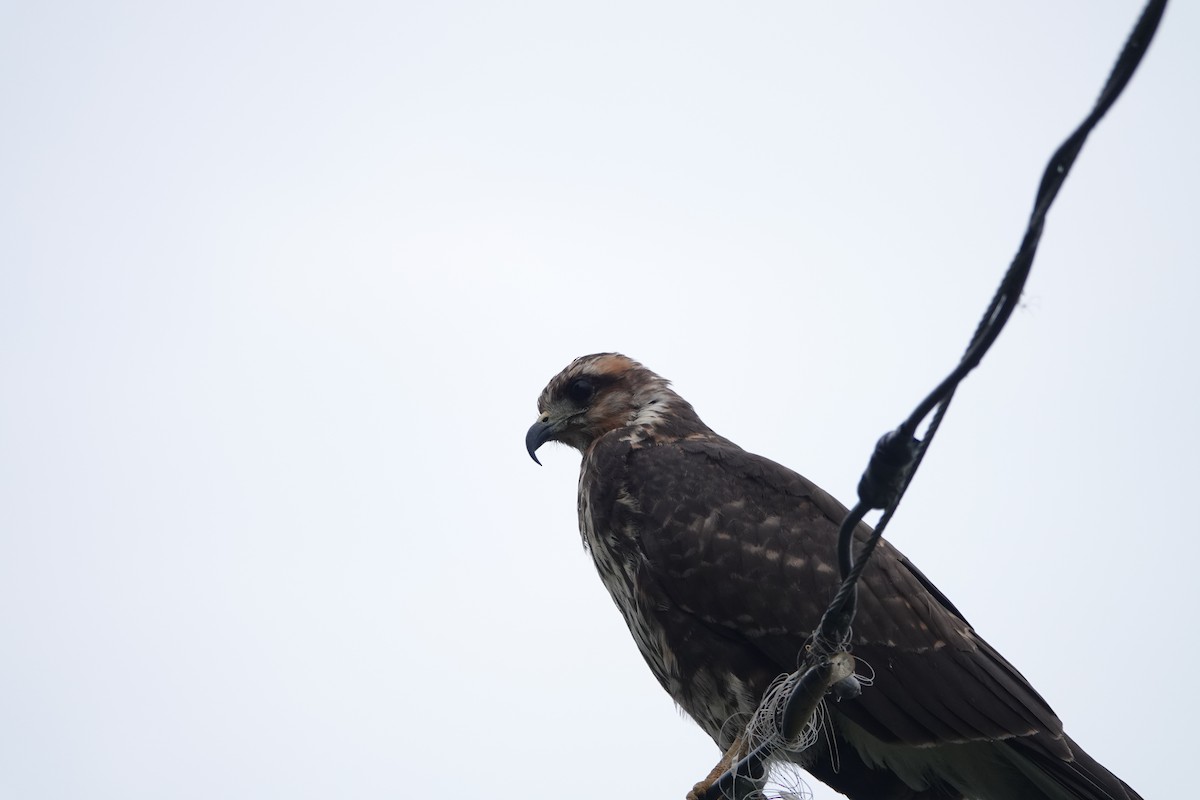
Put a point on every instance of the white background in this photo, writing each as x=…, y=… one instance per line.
x=280, y=284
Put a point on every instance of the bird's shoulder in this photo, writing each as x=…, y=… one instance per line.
x=731, y=536
x=701, y=474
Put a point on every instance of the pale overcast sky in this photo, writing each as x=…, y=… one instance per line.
x=280, y=284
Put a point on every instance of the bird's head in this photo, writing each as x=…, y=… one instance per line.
x=597, y=394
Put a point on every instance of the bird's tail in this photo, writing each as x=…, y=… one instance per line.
x=1081, y=778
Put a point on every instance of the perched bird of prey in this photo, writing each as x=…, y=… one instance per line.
x=722, y=562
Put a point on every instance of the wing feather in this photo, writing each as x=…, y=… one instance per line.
x=746, y=545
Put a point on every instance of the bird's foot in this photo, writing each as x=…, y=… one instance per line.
x=727, y=761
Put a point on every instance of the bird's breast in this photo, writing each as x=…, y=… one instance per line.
x=686, y=657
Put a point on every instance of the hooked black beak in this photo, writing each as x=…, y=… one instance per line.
x=539, y=434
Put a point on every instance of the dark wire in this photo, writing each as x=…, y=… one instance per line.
x=899, y=453
x=886, y=469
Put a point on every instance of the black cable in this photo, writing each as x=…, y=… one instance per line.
x=888, y=472
x=1009, y=292
x=898, y=454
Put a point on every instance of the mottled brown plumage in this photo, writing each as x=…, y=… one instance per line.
x=721, y=563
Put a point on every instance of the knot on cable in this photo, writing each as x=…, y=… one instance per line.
x=889, y=465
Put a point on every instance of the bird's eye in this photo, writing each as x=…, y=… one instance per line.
x=580, y=391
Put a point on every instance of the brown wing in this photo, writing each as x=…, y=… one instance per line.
x=747, y=546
